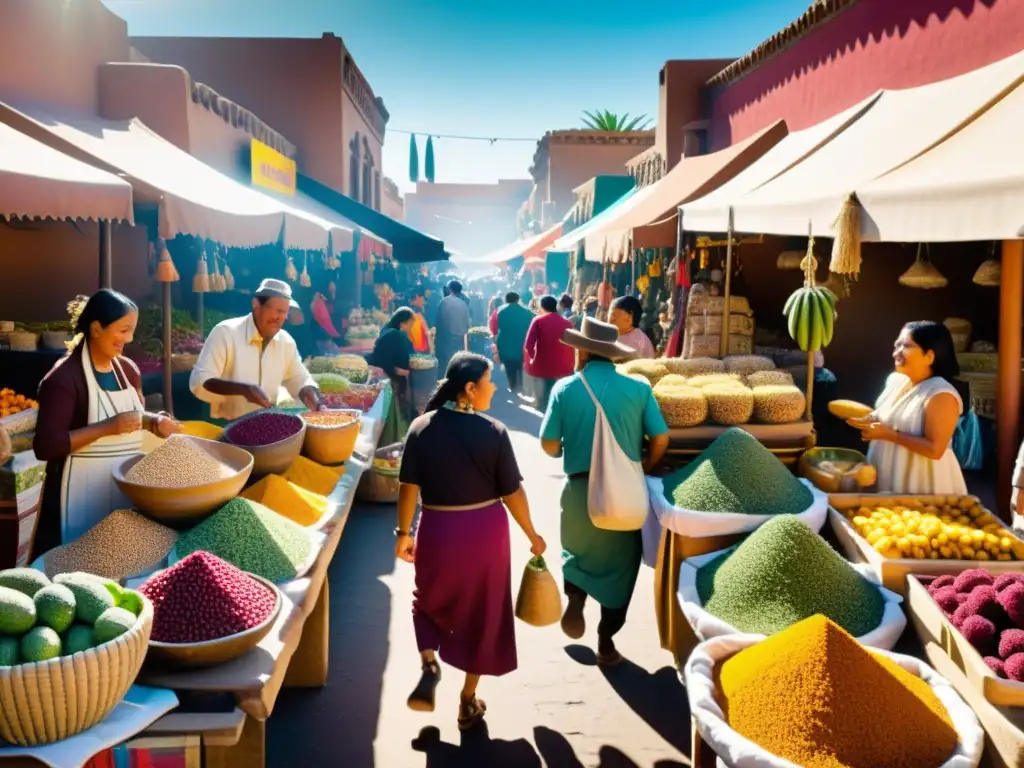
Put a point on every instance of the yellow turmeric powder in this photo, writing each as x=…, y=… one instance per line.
x=813, y=695
x=288, y=499
x=314, y=477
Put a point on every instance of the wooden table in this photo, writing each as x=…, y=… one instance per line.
x=226, y=707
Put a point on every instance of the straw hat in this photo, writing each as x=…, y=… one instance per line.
x=597, y=338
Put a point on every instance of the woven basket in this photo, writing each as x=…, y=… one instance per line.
x=48, y=701
x=539, y=603
x=377, y=488
x=20, y=423
x=183, y=362
x=923, y=275
x=22, y=341
x=6, y=326
x=54, y=339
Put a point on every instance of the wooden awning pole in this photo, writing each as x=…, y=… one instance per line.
x=106, y=254
x=724, y=340
x=1008, y=381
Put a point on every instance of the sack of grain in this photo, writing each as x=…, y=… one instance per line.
x=682, y=407
x=693, y=366
x=740, y=345
x=703, y=302
x=706, y=345
x=539, y=602
x=707, y=322
x=729, y=403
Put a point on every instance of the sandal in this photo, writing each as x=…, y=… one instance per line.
x=471, y=712
x=422, y=698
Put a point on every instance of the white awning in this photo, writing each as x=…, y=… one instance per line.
x=898, y=127
x=38, y=182
x=648, y=218
x=711, y=212
x=194, y=198
x=969, y=187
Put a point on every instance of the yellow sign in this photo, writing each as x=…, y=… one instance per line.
x=271, y=169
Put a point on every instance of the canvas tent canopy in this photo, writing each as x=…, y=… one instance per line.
x=711, y=212
x=194, y=199
x=38, y=182
x=969, y=187
x=649, y=218
x=570, y=240
x=531, y=247
x=899, y=126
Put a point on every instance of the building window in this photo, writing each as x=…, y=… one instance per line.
x=353, y=168
x=376, y=190
x=367, y=198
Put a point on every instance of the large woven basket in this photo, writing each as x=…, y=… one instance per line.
x=51, y=700
x=21, y=341
x=182, y=362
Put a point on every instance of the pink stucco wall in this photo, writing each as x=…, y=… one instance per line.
x=873, y=44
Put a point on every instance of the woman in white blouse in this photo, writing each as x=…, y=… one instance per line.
x=246, y=360
x=911, y=429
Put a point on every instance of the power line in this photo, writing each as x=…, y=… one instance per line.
x=491, y=139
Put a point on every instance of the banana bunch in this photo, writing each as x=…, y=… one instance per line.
x=811, y=313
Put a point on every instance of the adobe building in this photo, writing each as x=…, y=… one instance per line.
x=472, y=219
x=310, y=89
x=392, y=204
x=566, y=159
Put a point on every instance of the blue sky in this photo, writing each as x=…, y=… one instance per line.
x=485, y=68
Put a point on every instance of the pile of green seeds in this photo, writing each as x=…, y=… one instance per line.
x=737, y=474
x=121, y=545
x=781, y=574
x=252, y=538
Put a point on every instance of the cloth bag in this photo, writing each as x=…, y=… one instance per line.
x=617, y=498
x=539, y=602
x=735, y=751
x=707, y=626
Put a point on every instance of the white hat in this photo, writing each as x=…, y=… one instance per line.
x=276, y=289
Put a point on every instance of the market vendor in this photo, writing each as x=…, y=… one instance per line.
x=246, y=360
x=418, y=329
x=91, y=418
x=911, y=429
x=391, y=353
x=625, y=315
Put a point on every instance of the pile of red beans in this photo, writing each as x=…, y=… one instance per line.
x=263, y=429
x=203, y=598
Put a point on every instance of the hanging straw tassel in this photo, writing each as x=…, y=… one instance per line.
x=229, y=279
x=304, y=280
x=290, y=271
x=166, y=272
x=201, y=279
x=846, y=246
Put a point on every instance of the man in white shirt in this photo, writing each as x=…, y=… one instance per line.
x=246, y=358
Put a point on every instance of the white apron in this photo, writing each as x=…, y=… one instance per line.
x=901, y=471
x=87, y=490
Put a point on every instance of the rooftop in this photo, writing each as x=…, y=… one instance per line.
x=817, y=14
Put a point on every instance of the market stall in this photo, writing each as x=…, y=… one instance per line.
x=764, y=554
x=226, y=688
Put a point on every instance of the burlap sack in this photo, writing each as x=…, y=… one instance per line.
x=539, y=602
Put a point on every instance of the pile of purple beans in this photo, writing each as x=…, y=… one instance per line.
x=263, y=429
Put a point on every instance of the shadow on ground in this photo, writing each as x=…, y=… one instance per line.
x=337, y=725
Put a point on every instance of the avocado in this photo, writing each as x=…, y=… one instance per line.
x=78, y=638
x=26, y=580
x=10, y=651
x=55, y=607
x=131, y=601
x=91, y=597
x=112, y=623
x=17, y=611
x=40, y=644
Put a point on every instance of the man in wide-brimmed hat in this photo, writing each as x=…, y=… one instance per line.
x=600, y=563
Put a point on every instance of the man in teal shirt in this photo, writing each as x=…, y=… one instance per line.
x=600, y=563
x=513, y=324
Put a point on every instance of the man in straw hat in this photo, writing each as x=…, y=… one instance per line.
x=600, y=563
x=246, y=360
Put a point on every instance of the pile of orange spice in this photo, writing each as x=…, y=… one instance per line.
x=814, y=696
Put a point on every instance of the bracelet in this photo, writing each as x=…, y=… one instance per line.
x=399, y=533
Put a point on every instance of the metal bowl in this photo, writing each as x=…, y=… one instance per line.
x=275, y=458
x=330, y=445
x=185, y=507
x=222, y=650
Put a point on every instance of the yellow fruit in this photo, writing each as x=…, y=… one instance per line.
x=942, y=540
x=875, y=535
x=1005, y=544
x=967, y=553
x=919, y=553
x=934, y=555
x=860, y=520
x=981, y=555
x=1004, y=556
x=946, y=552
x=964, y=540
x=882, y=544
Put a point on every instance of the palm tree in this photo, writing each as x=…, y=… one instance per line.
x=603, y=120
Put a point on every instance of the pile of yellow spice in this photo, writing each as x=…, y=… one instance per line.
x=814, y=696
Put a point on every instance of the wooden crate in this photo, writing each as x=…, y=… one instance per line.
x=893, y=572
x=933, y=627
